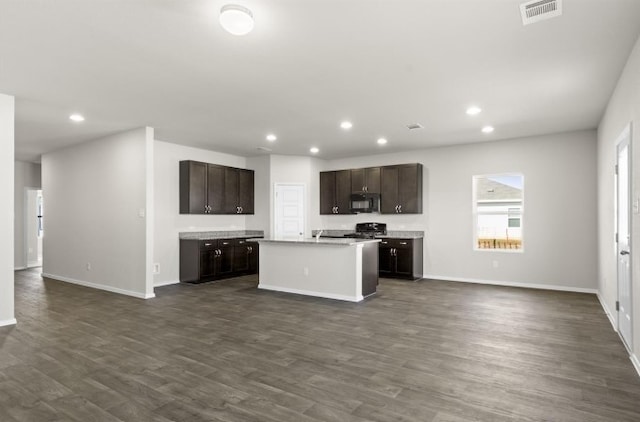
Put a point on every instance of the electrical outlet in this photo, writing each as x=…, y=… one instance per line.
x=495, y=264
x=305, y=271
x=88, y=266
x=156, y=268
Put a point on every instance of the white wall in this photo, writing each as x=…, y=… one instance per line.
x=7, y=111
x=623, y=108
x=261, y=219
x=168, y=220
x=27, y=175
x=559, y=209
x=97, y=207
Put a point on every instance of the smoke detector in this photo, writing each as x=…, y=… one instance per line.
x=539, y=10
x=413, y=126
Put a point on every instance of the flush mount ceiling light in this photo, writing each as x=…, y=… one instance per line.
x=314, y=150
x=236, y=19
x=472, y=111
x=271, y=137
x=76, y=118
x=381, y=141
x=487, y=129
x=346, y=125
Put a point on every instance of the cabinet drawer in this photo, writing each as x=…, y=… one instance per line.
x=397, y=243
x=206, y=245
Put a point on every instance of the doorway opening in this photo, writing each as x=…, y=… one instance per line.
x=33, y=227
x=289, y=211
x=623, y=236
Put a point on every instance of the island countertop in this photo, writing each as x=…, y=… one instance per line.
x=320, y=241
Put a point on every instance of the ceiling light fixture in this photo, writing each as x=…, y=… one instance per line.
x=487, y=129
x=382, y=141
x=314, y=150
x=77, y=118
x=236, y=19
x=271, y=137
x=472, y=111
x=346, y=125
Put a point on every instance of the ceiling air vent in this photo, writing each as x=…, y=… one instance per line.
x=263, y=149
x=413, y=126
x=538, y=10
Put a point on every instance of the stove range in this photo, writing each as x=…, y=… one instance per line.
x=368, y=231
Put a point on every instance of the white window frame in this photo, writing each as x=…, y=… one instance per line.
x=474, y=212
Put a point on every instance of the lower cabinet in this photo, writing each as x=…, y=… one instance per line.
x=400, y=258
x=207, y=260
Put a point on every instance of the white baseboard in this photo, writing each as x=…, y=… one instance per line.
x=100, y=286
x=310, y=293
x=607, y=312
x=165, y=283
x=635, y=362
x=514, y=284
x=19, y=268
x=6, y=322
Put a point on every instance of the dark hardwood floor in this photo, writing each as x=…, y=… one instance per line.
x=426, y=351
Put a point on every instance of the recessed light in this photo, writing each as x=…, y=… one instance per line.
x=346, y=125
x=314, y=150
x=236, y=19
x=382, y=141
x=472, y=111
x=77, y=117
x=271, y=137
x=487, y=129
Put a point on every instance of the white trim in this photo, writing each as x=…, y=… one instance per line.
x=607, y=312
x=514, y=284
x=310, y=293
x=6, y=322
x=166, y=283
x=635, y=362
x=99, y=286
x=19, y=268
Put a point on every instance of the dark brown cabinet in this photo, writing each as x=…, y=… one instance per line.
x=365, y=180
x=400, y=258
x=207, y=260
x=335, y=192
x=214, y=189
x=401, y=189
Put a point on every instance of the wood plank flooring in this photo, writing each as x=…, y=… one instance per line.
x=427, y=351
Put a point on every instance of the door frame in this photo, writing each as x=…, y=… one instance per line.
x=625, y=136
x=25, y=231
x=275, y=205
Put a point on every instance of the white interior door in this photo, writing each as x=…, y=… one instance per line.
x=289, y=212
x=623, y=249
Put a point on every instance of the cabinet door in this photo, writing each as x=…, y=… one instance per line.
x=385, y=259
x=410, y=188
x=327, y=192
x=231, y=181
x=207, y=263
x=358, y=182
x=215, y=188
x=372, y=179
x=343, y=191
x=193, y=187
x=225, y=259
x=404, y=262
x=389, y=190
x=254, y=253
x=240, y=258
x=246, y=191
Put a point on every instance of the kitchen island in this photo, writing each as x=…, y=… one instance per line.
x=343, y=269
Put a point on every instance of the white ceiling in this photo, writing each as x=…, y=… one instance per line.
x=307, y=65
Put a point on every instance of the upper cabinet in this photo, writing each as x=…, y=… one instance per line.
x=401, y=191
x=214, y=189
x=335, y=192
x=365, y=180
x=399, y=186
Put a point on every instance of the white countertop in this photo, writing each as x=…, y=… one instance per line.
x=320, y=241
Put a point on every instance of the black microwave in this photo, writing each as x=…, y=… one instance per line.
x=365, y=202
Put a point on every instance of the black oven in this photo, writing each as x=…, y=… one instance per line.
x=365, y=202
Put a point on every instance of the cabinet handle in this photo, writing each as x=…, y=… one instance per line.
x=396, y=208
x=403, y=243
x=225, y=243
x=207, y=244
x=241, y=210
x=400, y=208
x=384, y=243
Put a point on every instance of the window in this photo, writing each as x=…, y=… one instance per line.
x=498, y=211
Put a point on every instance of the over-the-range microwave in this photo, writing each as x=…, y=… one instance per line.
x=365, y=202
